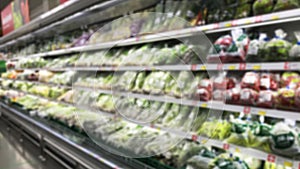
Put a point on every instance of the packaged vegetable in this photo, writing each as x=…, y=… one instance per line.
x=232, y=96
x=286, y=5
x=295, y=50
x=290, y=80
x=285, y=98
x=268, y=82
x=263, y=6
x=248, y=97
x=266, y=99
x=204, y=90
x=251, y=80
x=256, y=52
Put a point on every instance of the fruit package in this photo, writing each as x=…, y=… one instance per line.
x=222, y=82
x=228, y=49
x=268, y=81
x=233, y=95
x=290, y=80
x=295, y=50
x=285, y=98
x=266, y=99
x=205, y=90
x=277, y=49
x=263, y=6
x=248, y=96
x=286, y=5
x=251, y=80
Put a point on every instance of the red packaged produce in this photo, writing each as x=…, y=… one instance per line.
x=222, y=82
x=251, y=80
x=266, y=99
x=204, y=90
x=248, y=97
x=268, y=81
x=219, y=95
x=232, y=96
x=285, y=98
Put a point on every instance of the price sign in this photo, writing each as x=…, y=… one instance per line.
x=234, y=23
x=228, y=24
x=262, y=112
x=275, y=17
x=247, y=110
x=204, y=141
x=203, y=105
x=203, y=67
x=271, y=158
x=242, y=66
x=256, y=67
x=237, y=150
x=194, y=137
x=226, y=146
x=258, y=19
x=288, y=164
x=220, y=66
x=216, y=26
x=231, y=67
x=194, y=67
x=286, y=66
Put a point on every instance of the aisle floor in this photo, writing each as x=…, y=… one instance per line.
x=10, y=158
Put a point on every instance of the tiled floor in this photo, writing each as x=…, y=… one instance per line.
x=10, y=158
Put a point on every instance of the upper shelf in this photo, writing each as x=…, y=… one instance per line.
x=255, y=21
x=45, y=19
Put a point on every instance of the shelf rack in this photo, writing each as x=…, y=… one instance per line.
x=202, y=140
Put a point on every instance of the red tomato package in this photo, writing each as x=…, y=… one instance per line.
x=251, y=80
x=268, y=82
x=222, y=82
x=248, y=97
x=266, y=99
x=219, y=95
x=232, y=96
x=205, y=90
x=290, y=80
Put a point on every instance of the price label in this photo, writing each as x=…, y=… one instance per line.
x=226, y=146
x=288, y=164
x=203, y=67
x=299, y=166
x=228, y=24
x=258, y=19
x=137, y=38
x=275, y=17
x=216, y=26
x=242, y=66
x=247, y=110
x=237, y=150
x=256, y=67
x=286, y=66
x=231, y=67
x=271, y=158
x=194, y=137
x=262, y=113
x=194, y=67
x=203, y=105
x=234, y=23
x=248, y=21
x=220, y=66
x=204, y=141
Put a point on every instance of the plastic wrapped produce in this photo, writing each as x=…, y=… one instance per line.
x=256, y=52
x=278, y=48
x=233, y=95
x=290, y=80
x=286, y=5
x=205, y=90
x=222, y=82
x=248, y=97
x=251, y=80
x=139, y=81
x=266, y=99
x=45, y=76
x=263, y=6
x=295, y=50
x=126, y=81
x=285, y=98
x=285, y=140
x=297, y=97
x=268, y=82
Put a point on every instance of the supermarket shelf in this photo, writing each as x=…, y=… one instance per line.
x=255, y=21
x=216, y=105
x=215, y=143
x=275, y=66
x=53, y=15
x=39, y=83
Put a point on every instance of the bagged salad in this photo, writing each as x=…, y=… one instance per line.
x=295, y=50
x=263, y=6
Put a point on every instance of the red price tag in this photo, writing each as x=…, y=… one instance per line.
x=216, y=26
x=247, y=110
x=194, y=137
x=271, y=158
x=193, y=67
x=286, y=66
x=137, y=38
x=299, y=166
x=242, y=66
x=226, y=146
x=152, y=125
x=258, y=19
x=234, y=23
x=220, y=66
